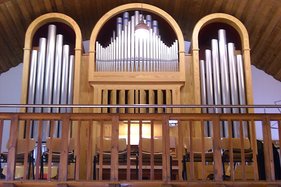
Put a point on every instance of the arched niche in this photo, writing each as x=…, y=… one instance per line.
x=141, y=7
x=30, y=33
x=244, y=39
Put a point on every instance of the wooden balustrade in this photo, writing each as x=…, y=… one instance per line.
x=176, y=164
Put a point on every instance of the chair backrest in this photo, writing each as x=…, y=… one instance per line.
x=122, y=146
x=57, y=144
x=197, y=144
x=22, y=143
x=236, y=143
x=146, y=145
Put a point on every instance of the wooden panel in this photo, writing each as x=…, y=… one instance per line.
x=114, y=149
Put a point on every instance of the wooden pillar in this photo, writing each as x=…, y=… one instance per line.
x=151, y=96
x=131, y=100
x=114, y=149
x=64, y=150
x=122, y=100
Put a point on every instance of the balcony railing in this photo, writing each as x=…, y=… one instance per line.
x=143, y=146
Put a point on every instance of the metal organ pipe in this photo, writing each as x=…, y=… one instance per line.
x=49, y=73
x=57, y=75
x=41, y=72
x=224, y=69
x=64, y=81
x=70, y=82
x=32, y=79
x=127, y=53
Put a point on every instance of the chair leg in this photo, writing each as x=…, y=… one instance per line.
x=184, y=172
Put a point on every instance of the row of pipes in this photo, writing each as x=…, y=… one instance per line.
x=129, y=53
x=51, y=73
x=222, y=79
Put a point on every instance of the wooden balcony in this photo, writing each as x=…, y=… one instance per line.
x=169, y=159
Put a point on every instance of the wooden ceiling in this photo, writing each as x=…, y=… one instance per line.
x=261, y=18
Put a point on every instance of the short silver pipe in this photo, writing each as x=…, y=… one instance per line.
x=70, y=82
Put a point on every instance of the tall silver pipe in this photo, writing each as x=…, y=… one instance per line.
x=122, y=46
x=32, y=79
x=49, y=73
x=70, y=82
x=129, y=47
x=233, y=85
x=137, y=17
x=57, y=75
x=132, y=43
x=216, y=73
x=209, y=80
x=242, y=91
x=155, y=27
x=64, y=81
x=40, y=73
x=119, y=26
x=224, y=70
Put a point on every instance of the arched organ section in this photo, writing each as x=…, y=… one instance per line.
x=222, y=78
x=51, y=73
x=126, y=52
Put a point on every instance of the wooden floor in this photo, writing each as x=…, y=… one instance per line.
x=136, y=184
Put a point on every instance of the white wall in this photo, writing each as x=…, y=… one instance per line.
x=266, y=91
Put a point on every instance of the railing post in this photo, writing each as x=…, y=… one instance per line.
x=166, y=174
x=267, y=148
x=12, y=148
x=114, y=148
x=64, y=149
x=217, y=149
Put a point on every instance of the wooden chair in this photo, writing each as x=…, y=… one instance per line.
x=21, y=149
x=55, y=144
x=237, y=150
x=106, y=153
x=197, y=151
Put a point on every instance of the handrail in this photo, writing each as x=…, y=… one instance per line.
x=134, y=106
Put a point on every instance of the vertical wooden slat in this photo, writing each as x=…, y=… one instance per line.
x=152, y=151
x=1, y=133
x=64, y=149
x=104, y=100
x=268, y=155
x=151, y=100
x=114, y=148
x=101, y=150
x=39, y=152
x=140, y=150
x=25, y=162
x=142, y=100
x=180, y=149
x=160, y=100
x=191, y=155
x=242, y=150
x=166, y=174
x=77, y=152
x=230, y=147
x=131, y=100
x=254, y=148
x=89, y=148
x=12, y=147
x=279, y=134
x=129, y=151
x=50, y=155
x=203, y=150
x=113, y=101
x=217, y=149
x=122, y=100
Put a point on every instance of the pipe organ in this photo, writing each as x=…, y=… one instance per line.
x=129, y=53
x=51, y=73
x=222, y=78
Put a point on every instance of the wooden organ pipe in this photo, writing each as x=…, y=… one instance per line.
x=128, y=53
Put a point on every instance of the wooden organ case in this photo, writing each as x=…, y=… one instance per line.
x=128, y=70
